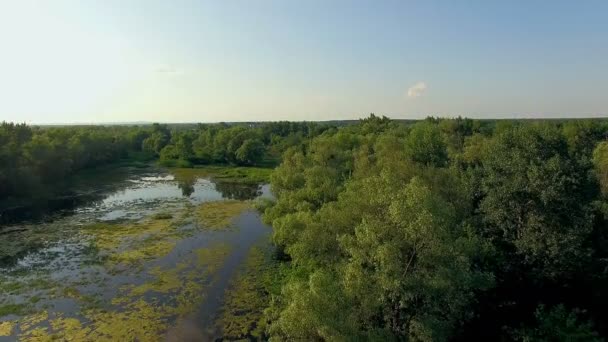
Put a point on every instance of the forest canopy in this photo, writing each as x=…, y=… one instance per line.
x=446, y=229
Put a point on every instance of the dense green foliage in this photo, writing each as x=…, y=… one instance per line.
x=447, y=229
x=32, y=159
x=242, y=144
x=37, y=162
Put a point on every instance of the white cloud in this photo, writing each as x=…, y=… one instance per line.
x=168, y=70
x=417, y=89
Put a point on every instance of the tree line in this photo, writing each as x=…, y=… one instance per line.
x=242, y=144
x=447, y=229
x=35, y=162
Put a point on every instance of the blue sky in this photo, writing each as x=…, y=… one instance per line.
x=206, y=61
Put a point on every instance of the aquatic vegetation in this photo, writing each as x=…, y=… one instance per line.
x=6, y=328
x=236, y=174
x=40, y=282
x=186, y=282
x=112, y=237
x=134, y=243
x=12, y=309
x=219, y=214
x=35, y=299
x=242, y=312
x=88, y=301
x=119, y=279
x=141, y=321
x=162, y=216
x=212, y=257
x=69, y=329
x=10, y=286
x=165, y=282
x=152, y=249
x=33, y=320
x=17, y=243
x=133, y=317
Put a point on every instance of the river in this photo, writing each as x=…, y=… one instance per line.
x=152, y=256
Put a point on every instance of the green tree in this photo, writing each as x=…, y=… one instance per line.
x=536, y=200
x=600, y=162
x=558, y=324
x=425, y=144
x=250, y=152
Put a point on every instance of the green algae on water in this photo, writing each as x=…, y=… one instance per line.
x=6, y=328
x=242, y=313
x=132, y=317
x=235, y=174
x=219, y=214
x=161, y=294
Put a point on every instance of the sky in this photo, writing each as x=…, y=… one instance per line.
x=84, y=61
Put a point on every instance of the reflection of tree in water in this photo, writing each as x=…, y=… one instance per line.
x=237, y=191
x=187, y=186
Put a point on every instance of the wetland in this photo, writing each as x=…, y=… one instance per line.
x=152, y=254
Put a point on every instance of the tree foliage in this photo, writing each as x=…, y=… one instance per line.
x=445, y=229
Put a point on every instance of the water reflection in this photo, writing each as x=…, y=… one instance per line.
x=134, y=191
x=187, y=187
x=238, y=191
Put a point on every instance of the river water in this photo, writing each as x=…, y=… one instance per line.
x=149, y=258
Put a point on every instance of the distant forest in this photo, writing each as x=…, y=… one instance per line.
x=433, y=230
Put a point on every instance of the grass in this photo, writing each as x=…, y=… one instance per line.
x=235, y=174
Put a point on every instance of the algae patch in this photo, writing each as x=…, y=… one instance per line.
x=238, y=174
x=12, y=309
x=135, y=243
x=132, y=277
x=219, y=214
x=6, y=328
x=243, y=310
x=133, y=316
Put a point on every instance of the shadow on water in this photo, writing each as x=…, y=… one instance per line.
x=85, y=189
